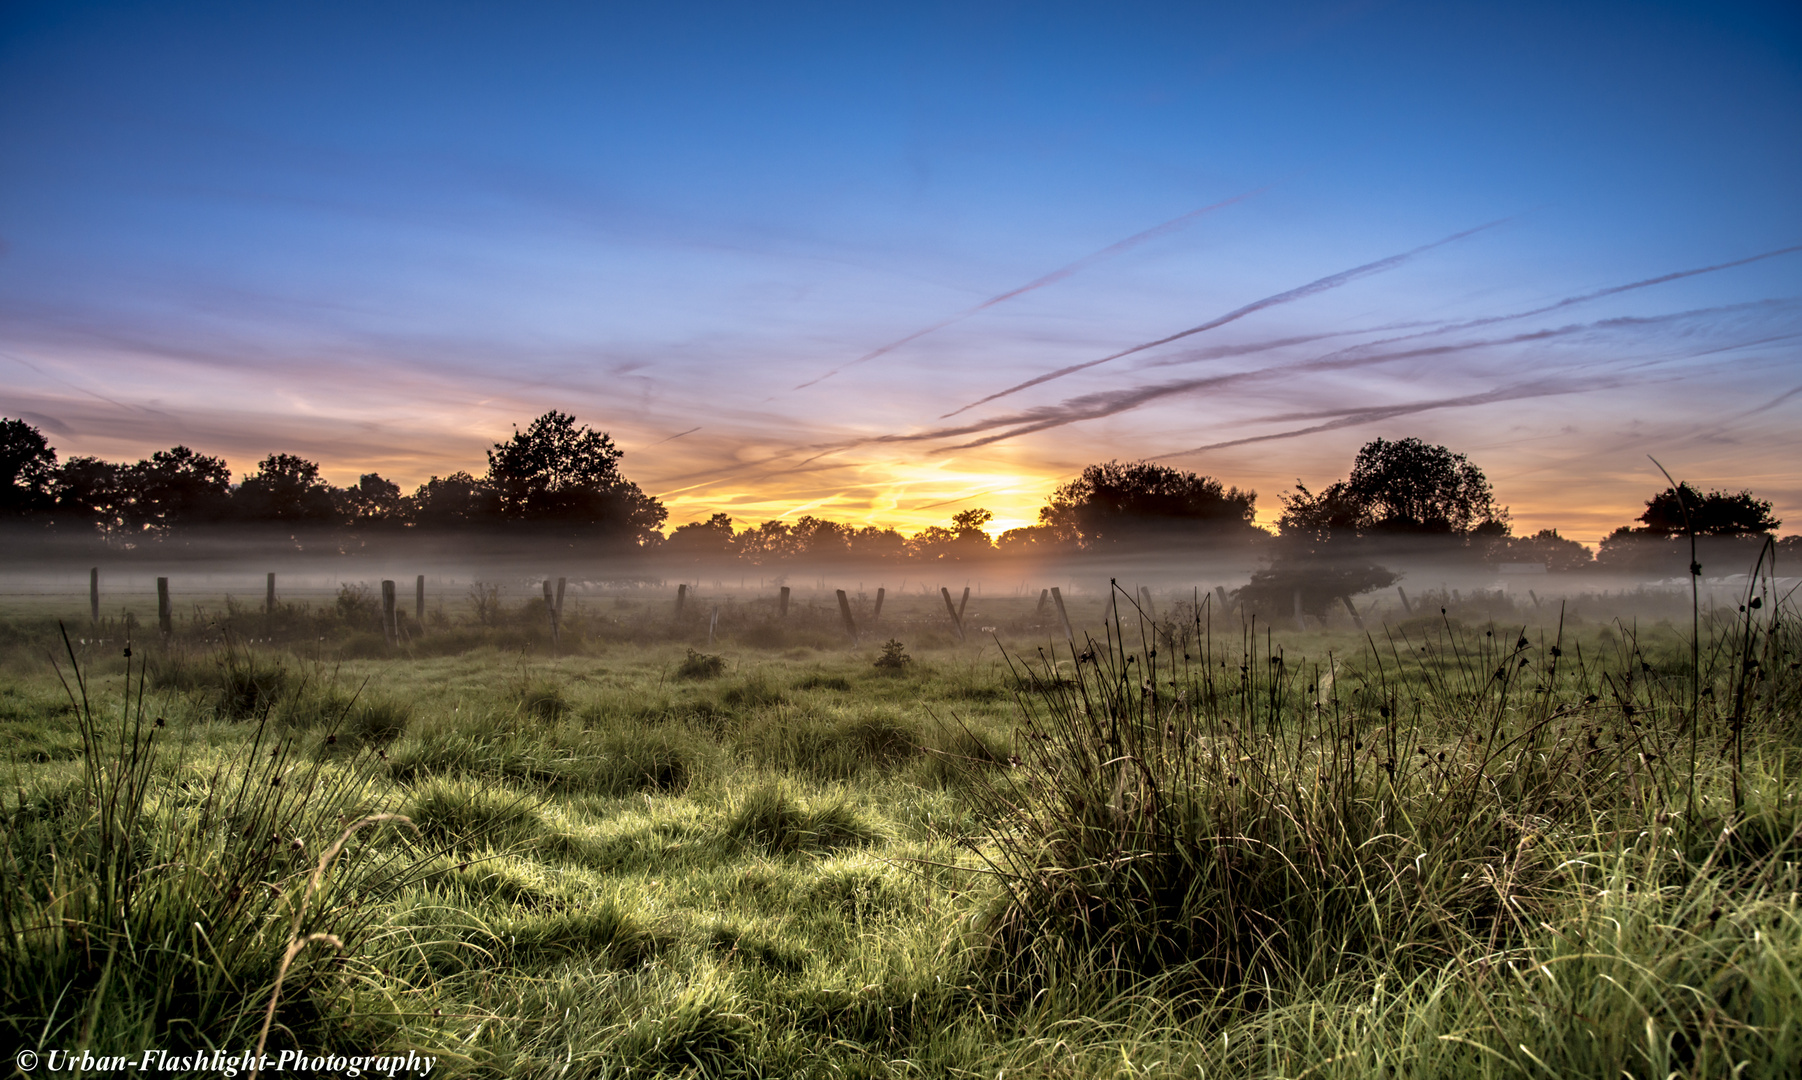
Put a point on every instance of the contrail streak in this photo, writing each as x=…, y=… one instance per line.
x=1105, y=403
x=1353, y=417
x=1331, y=281
x=677, y=435
x=1582, y=298
x=1038, y=283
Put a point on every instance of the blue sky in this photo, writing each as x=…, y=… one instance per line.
x=380, y=234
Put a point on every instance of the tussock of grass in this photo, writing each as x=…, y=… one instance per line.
x=769, y=819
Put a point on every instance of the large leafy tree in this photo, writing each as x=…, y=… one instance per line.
x=27, y=470
x=558, y=471
x=454, y=501
x=1717, y=513
x=1404, y=486
x=173, y=488
x=1140, y=501
x=287, y=489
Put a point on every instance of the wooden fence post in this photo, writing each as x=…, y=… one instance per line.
x=1301, y=621
x=1151, y=612
x=389, y=629
x=94, y=594
x=561, y=582
x=876, y=615
x=713, y=625
x=164, y=621
x=1044, y=598
x=1057, y=597
x=1357, y=620
x=961, y=604
x=1403, y=593
x=957, y=619
x=1225, y=604
x=269, y=593
x=419, y=600
x=681, y=597
x=782, y=603
x=1536, y=598
x=844, y=612
x=550, y=612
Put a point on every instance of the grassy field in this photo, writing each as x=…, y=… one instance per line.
x=1474, y=843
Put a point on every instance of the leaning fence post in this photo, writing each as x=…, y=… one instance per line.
x=844, y=612
x=550, y=612
x=164, y=622
x=681, y=597
x=782, y=603
x=713, y=625
x=961, y=604
x=1044, y=598
x=1220, y=594
x=1151, y=612
x=1357, y=619
x=1057, y=597
x=1301, y=622
x=561, y=582
x=419, y=600
x=1403, y=593
x=94, y=594
x=388, y=624
x=957, y=620
x=876, y=615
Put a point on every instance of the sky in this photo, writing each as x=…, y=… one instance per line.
x=882, y=263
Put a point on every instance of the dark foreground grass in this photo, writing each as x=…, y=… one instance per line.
x=1464, y=848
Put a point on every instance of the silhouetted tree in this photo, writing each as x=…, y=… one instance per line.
x=557, y=471
x=286, y=489
x=452, y=502
x=1545, y=546
x=1400, y=487
x=27, y=470
x=702, y=539
x=175, y=488
x=1142, y=502
x=92, y=494
x=1717, y=513
x=374, y=502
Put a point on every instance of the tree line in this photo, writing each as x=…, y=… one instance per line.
x=560, y=478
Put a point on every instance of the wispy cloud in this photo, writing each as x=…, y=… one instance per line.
x=1302, y=292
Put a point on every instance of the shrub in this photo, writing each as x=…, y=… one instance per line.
x=894, y=656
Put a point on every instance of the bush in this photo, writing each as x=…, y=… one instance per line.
x=894, y=657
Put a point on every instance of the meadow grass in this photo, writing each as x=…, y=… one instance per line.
x=1186, y=846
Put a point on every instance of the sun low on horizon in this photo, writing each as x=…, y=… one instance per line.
x=884, y=265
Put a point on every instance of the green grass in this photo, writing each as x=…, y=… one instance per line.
x=1455, y=847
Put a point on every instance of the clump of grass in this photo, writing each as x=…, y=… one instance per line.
x=770, y=819
x=237, y=682
x=377, y=722
x=756, y=690
x=1243, y=833
x=167, y=906
x=543, y=701
x=664, y=758
x=472, y=815
x=698, y=665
